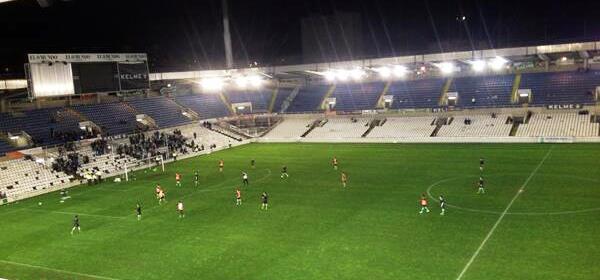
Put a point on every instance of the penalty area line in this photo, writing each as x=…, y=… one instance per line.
x=58, y=270
x=502, y=215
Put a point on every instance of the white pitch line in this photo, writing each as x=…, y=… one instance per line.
x=489, y=234
x=58, y=270
x=74, y=213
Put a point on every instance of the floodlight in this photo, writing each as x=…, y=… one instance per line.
x=212, y=84
x=384, y=71
x=446, y=67
x=255, y=80
x=357, y=73
x=329, y=75
x=241, y=81
x=478, y=65
x=342, y=75
x=497, y=63
x=400, y=71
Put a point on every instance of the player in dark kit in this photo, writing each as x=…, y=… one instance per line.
x=481, y=188
x=196, y=178
x=245, y=179
x=252, y=163
x=138, y=211
x=481, y=163
x=76, y=225
x=284, y=172
x=334, y=162
x=265, y=201
x=442, y=205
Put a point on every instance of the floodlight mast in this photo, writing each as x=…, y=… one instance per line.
x=227, y=36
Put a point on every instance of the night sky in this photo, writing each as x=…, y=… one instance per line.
x=187, y=34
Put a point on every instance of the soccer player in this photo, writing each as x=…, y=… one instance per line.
x=481, y=188
x=178, y=179
x=157, y=190
x=344, y=179
x=221, y=165
x=180, y=209
x=245, y=178
x=238, y=197
x=76, y=225
x=442, y=205
x=196, y=178
x=252, y=163
x=423, y=203
x=481, y=163
x=334, y=162
x=138, y=211
x=161, y=197
x=265, y=201
x=284, y=172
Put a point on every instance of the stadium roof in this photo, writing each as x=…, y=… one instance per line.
x=517, y=54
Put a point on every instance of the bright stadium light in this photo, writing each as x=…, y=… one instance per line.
x=255, y=80
x=478, y=65
x=446, y=67
x=384, y=72
x=212, y=84
x=342, y=75
x=400, y=71
x=241, y=81
x=497, y=63
x=329, y=75
x=357, y=74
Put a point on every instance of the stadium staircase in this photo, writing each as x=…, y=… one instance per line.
x=226, y=102
x=273, y=98
x=444, y=94
x=372, y=124
x=515, y=89
x=315, y=124
x=225, y=132
x=517, y=121
x=286, y=103
x=439, y=122
x=380, y=102
x=322, y=105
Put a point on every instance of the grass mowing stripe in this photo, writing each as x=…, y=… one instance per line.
x=489, y=234
x=58, y=270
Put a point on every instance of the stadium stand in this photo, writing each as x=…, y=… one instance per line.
x=483, y=91
x=113, y=118
x=423, y=93
x=208, y=106
x=357, y=96
x=476, y=126
x=308, y=99
x=404, y=127
x=561, y=87
x=47, y=126
x=5, y=147
x=259, y=98
x=164, y=111
x=340, y=128
x=558, y=124
x=22, y=176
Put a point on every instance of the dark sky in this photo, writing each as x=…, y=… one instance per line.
x=186, y=34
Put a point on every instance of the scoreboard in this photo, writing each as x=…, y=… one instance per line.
x=71, y=74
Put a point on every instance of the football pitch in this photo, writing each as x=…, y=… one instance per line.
x=538, y=219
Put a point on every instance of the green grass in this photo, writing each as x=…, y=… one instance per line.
x=314, y=229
